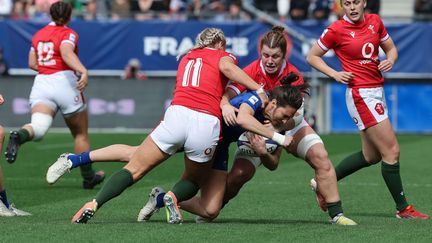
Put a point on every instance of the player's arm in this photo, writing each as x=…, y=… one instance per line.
x=72, y=60
x=392, y=55
x=269, y=160
x=315, y=59
x=234, y=73
x=32, y=60
x=228, y=111
x=246, y=119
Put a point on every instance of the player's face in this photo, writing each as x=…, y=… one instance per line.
x=272, y=59
x=279, y=115
x=354, y=9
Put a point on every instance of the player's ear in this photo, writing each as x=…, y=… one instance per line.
x=365, y=3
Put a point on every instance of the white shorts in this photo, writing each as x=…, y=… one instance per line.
x=197, y=132
x=58, y=91
x=366, y=106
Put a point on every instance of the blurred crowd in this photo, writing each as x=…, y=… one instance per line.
x=219, y=10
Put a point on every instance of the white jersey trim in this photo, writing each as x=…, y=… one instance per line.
x=385, y=38
x=233, y=88
x=67, y=41
x=320, y=44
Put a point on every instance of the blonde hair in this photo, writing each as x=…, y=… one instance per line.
x=209, y=37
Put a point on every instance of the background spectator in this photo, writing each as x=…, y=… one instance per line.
x=299, y=9
x=321, y=9
x=120, y=9
x=5, y=7
x=235, y=12
x=373, y=6
x=19, y=10
x=133, y=70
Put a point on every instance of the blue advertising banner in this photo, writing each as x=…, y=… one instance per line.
x=109, y=45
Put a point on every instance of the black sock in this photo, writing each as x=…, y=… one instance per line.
x=114, y=186
x=334, y=208
x=351, y=164
x=391, y=175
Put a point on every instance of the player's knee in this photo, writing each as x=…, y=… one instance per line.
x=212, y=213
x=240, y=176
x=392, y=154
x=40, y=123
x=306, y=144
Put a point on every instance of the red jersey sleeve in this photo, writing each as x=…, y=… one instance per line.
x=238, y=88
x=70, y=36
x=382, y=31
x=328, y=39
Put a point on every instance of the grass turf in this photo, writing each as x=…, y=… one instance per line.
x=274, y=207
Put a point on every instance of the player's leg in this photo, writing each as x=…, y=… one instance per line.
x=67, y=161
x=242, y=171
x=383, y=138
x=41, y=120
x=309, y=146
x=78, y=125
x=147, y=156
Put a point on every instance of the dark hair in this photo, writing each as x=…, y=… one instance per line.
x=275, y=38
x=287, y=95
x=290, y=78
x=61, y=13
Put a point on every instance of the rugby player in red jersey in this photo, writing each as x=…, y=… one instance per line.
x=58, y=86
x=356, y=39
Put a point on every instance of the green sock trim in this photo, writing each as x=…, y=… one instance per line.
x=391, y=175
x=24, y=136
x=114, y=186
x=87, y=172
x=334, y=208
x=351, y=164
x=185, y=190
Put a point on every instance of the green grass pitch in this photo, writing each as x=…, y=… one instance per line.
x=274, y=207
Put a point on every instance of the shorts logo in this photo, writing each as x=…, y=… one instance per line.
x=379, y=109
x=76, y=99
x=208, y=151
x=355, y=120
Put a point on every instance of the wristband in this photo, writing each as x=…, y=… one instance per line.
x=278, y=138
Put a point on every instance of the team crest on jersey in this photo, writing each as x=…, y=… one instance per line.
x=352, y=34
x=379, y=108
x=371, y=27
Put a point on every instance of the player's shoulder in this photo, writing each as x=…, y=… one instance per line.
x=373, y=19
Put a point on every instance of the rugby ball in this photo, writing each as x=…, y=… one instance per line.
x=245, y=149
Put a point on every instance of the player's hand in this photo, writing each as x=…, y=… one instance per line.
x=257, y=143
x=229, y=114
x=82, y=82
x=1, y=99
x=288, y=141
x=343, y=77
x=385, y=65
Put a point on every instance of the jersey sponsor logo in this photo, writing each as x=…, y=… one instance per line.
x=253, y=100
x=379, y=108
x=352, y=34
x=72, y=37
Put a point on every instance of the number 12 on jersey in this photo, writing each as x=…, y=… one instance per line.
x=47, y=49
x=192, y=72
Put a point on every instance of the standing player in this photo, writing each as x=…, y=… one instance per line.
x=6, y=209
x=192, y=122
x=356, y=39
x=269, y=71
x=59, y=85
